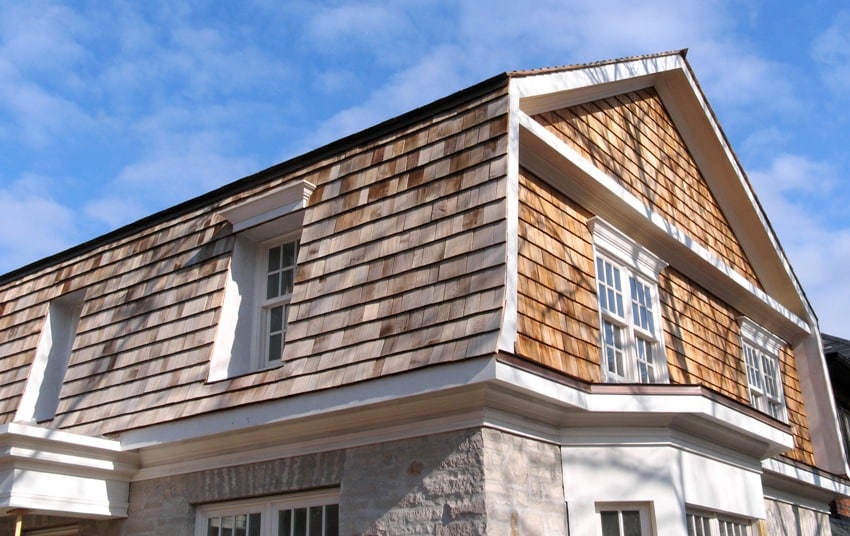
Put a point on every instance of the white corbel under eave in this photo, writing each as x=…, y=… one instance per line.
x=48, y=471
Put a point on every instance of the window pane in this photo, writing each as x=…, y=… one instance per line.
x=332, y=520
x=254, y=524
x=274, y=259
x=289, y=250
x=273, y=285
x=299, y=522
x=275, y=319
x=213, y=526
x=275, y=347
x=284, y=526
x=610, y=523
x=631, y=523
x=240, y=525
x=316, y=521
x=645, y=361
x=614, y=347
x=227, y=526
x=288, y=277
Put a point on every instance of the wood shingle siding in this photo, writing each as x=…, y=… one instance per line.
x=402, y=265
x=632, y=139
x=557, y=315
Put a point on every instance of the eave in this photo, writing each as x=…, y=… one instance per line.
x=498, y=392
x=45, y=471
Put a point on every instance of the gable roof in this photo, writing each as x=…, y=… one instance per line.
x=672, y=78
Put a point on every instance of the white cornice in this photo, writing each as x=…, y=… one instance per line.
x=480, y=392
x=52, y=471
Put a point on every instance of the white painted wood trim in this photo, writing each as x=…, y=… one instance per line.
x=423, y=402
x=48, y=470
x=508, y=333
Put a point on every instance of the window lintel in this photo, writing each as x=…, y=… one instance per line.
x=270, y=205
x=615, y=243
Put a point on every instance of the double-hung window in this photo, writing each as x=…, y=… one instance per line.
x=253, y=319
x=761, y=356
x=313, y=514
x=629, y=311
x=279, y=272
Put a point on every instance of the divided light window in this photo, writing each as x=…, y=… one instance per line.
x=311, y=515
x=629, y=310
x=704, y=524
x=761, y=356
x=279, y=265
x=625, y=520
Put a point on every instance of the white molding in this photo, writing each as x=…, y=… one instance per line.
x=796, y=474
x=615, y=243
x=760, y=336
x=508, y=332
x=269, y=205
x=478, y=392
x=52, y=471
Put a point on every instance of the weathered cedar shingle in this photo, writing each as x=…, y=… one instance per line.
x=632, y=138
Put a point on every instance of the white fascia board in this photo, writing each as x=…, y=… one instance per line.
x=606, y=190
x=548, y=91
x=677, y=403
x=797, y=474
x=52, y=471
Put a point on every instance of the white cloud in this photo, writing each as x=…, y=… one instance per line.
x=35, y=225
x=796, y=193
x=831, y=50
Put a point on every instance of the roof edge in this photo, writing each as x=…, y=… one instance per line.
x=303, y=160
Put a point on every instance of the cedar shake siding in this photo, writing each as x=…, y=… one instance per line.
x=401, y=265
x=632, y=139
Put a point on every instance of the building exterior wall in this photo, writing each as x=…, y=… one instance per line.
x=469, y=482
x=524, y=486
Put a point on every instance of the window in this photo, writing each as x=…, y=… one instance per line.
x=252, y=323
x=279, y=276
x=844, y=423
x=705, y=524
x=761, y=356
x=629, y=312
x=313, y=514
x=625, y=520
x=47, y=373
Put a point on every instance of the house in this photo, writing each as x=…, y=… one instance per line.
x=547, y=304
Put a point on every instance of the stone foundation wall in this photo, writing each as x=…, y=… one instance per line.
x=524, y=486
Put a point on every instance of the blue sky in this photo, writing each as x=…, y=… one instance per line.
x=110, y=111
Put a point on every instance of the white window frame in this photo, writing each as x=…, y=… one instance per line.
x=630, y=263
x=704, y=523
x=266, y=304
x=267, y=507
x=760, y=352
x=644, y=509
